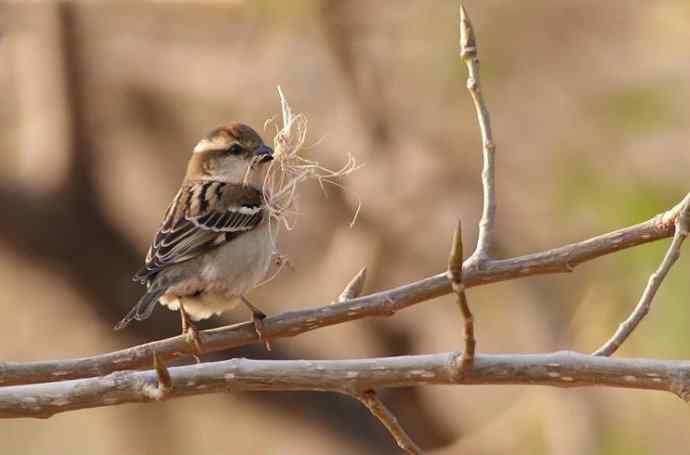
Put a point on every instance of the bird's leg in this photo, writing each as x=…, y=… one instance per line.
x=258, y=317
x=190, y=331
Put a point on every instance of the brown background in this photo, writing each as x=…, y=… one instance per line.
x=101, y=105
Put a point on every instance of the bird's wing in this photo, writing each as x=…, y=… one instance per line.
x=203, y=216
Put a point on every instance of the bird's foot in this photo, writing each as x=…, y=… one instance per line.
x=191, y=333
x=258, y=317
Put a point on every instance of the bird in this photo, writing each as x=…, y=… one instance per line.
x=214, y=243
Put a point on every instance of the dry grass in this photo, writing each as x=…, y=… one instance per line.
x=289, y=169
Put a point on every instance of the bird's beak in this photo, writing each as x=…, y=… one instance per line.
x=264, y=152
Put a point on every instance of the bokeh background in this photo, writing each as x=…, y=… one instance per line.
x=102, y=103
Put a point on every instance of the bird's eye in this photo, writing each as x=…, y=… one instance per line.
x=236, y=149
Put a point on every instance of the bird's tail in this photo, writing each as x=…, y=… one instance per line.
x=144, y=307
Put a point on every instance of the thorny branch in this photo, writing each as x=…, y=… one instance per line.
x=96, y=381
x=642, y=308
x=558, y=369
x=384, y=303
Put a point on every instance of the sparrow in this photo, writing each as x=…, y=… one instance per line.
x=214, y=243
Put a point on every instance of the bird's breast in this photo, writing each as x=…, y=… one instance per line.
x=240, y=264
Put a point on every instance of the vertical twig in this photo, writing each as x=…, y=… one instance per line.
x=388, y=419
x=455, y=278
x=653, y=284
x=468, y=53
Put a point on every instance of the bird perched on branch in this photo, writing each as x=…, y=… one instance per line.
x=214, y=243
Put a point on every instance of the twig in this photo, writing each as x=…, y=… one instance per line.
x=558, y=260
x=455, y=277
x=355, y=287
x=559, y=369
x=653, y=284
x=469, y=55
x=369, y=399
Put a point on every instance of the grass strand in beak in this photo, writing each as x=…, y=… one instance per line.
x=289, y=169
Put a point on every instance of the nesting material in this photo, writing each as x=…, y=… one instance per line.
x=289, y=169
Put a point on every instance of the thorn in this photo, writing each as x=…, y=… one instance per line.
x=164, y=381
x=455, y=257
x=355, y=287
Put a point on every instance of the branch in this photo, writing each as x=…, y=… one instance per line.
x=642, y=308
x=559, y=369
x=388, y=419
x=384, y=303
x=469, y=55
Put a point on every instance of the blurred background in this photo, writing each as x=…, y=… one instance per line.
x=102, y=103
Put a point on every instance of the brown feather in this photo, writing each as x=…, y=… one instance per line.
x=199, y=212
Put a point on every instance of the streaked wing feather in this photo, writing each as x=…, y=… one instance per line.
x=193, y=227
x=228, y=221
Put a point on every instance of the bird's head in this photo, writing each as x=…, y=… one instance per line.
x=227, y=153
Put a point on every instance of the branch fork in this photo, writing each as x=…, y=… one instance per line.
x=625, y=329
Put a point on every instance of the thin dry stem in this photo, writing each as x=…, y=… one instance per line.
x=469, y=55
x=653, y=284
x=289, y=169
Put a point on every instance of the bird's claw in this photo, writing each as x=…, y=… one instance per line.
x=258, y=317
x=258, y=321
x=191, y=333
